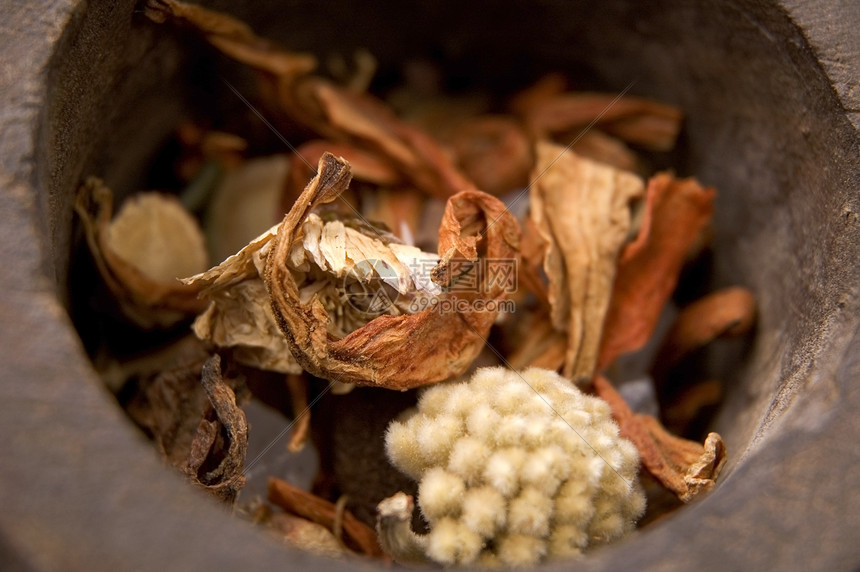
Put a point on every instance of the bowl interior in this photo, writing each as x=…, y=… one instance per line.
x=762, y=126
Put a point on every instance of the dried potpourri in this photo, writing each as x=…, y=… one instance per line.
x=536, y=240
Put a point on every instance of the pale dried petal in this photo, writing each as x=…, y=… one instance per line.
x=582, y=211
x=141, y=254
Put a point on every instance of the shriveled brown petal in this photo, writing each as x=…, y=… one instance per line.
x=226, y=479
x=440, y=344
x=685, y=467
x=635, y=119
x=336, y=113
x=724, y=313
x=582, y=210
x=359, y=536
x=677, y=212
x=231, y=36
x=495, y=152
x=366, y=166
x=147, y=296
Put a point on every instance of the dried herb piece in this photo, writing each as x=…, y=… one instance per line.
x=495, y=152
x=334, y=112
x=582, y=210
x=231, y=36
x=217, y=458
x=239, y=316
x=440, y=344
x=686, y=468
x=676, y=213
x=724, y=313
x=358, y=536
x=141, y=253
x=635, y=119
x=169, y=407
x=297, y=385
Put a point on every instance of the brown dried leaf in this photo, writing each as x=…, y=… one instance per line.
x=231, y=36
x=635, y=119
x=582, y=210
x=676, y=213
x=142, y=252
x=725, y=313
x=226, y=478
x=169, y=407
x=358, y=536
x=368, y=123
x=686, y=468
x=440, y=345
x=495, y=152
x=336, y=113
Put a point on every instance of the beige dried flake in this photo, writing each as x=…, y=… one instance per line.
x=143, y=251
x=581, y=209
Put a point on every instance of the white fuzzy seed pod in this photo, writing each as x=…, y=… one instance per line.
x=512, y=470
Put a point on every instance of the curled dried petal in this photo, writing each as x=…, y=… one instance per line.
x=686, y=468
x=676, y=213
x=146, y=286
x=440, y=344
x=582, y=211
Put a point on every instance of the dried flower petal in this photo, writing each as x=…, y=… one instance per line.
x=142, y=252
x=440, y=345
x=231, y=36
x=635, y=119
x=727, y=312
x=684, y=467
x=226, y=479
x=334, y=112
x=582, y=210
x=495, y=152
x=677, y=211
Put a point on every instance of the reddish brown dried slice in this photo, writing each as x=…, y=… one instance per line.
x=292, y=499
x=725, y=313
x=335, y=112
x=677, y=212
x=685, y=467
x=495, y=152
x=635, y=119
